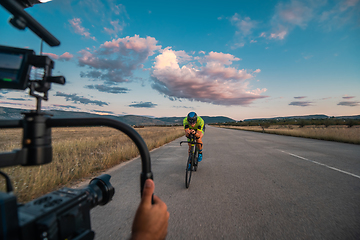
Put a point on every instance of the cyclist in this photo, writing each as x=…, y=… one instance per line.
x=194, y=124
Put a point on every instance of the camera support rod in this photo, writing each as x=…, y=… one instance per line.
x=22, y=20
x=132, y=133
x=17, y=157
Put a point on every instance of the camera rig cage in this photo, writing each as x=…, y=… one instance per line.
x=63, y=214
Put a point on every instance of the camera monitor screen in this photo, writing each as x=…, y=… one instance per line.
x=14, y=67
x=10, y=65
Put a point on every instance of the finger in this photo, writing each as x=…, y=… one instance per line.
x=160, y=204
x=157, y=200
x=148, y=191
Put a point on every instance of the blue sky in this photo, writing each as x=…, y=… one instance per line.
x=240, y=59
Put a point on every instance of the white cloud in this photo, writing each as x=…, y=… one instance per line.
x=166, y=59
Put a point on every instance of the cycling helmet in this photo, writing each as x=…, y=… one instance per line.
x=192, y=117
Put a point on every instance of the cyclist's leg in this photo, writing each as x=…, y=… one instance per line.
x=189, y=147
x=199, y=135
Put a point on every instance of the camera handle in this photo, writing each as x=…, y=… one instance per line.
x=37, y=148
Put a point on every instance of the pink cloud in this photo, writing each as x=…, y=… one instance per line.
x=348, y=97
x=288, y=16
x=64, y=57
x=52, y=55
x=223, y=58
x=343, y=12
x=212, y=82
x=237, y=45
x=76, y=24
x=114, y=61
x=116, y=28
x=280, y=35
x=297, y=13
x=135, y=43
x=244, y=25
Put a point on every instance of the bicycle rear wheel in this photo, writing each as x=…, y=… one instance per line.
x=188, y=171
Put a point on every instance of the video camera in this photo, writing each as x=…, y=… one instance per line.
x=62, y=214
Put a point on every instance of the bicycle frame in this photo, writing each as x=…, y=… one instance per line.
x=191, y=164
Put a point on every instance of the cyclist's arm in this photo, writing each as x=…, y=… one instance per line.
x=186, y=127
x=186, y=124
x=201, y=125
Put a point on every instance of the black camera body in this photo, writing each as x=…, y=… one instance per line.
x=62, y=214
x=65, y=213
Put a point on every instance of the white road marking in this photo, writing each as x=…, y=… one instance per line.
x=336, y=169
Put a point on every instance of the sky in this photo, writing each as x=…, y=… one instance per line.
x=240, y=59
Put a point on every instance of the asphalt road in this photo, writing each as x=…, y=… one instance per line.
x=249, y=186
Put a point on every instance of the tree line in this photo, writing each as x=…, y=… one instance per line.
x=265, y=123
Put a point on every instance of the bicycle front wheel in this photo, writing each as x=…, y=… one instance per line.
x=188, y=171
x=195, y=157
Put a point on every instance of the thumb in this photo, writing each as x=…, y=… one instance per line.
x=148, y=191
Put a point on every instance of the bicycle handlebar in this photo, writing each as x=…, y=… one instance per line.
x=192, y=140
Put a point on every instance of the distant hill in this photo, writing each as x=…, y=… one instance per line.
x=13, y=113
x=207, y=120
x=318, y=116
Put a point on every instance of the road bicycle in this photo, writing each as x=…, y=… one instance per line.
x=192, y=162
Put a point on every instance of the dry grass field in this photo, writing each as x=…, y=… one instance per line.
x=336, y=133
x=78, y=153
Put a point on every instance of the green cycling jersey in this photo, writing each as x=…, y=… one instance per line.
x=198, y=126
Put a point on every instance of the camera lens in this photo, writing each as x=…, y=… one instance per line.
x=101, y=189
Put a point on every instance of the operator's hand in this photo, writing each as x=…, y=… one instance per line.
x=151, y=220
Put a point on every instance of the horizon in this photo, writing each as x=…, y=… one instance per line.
x=200, y=115
x=239, y=60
